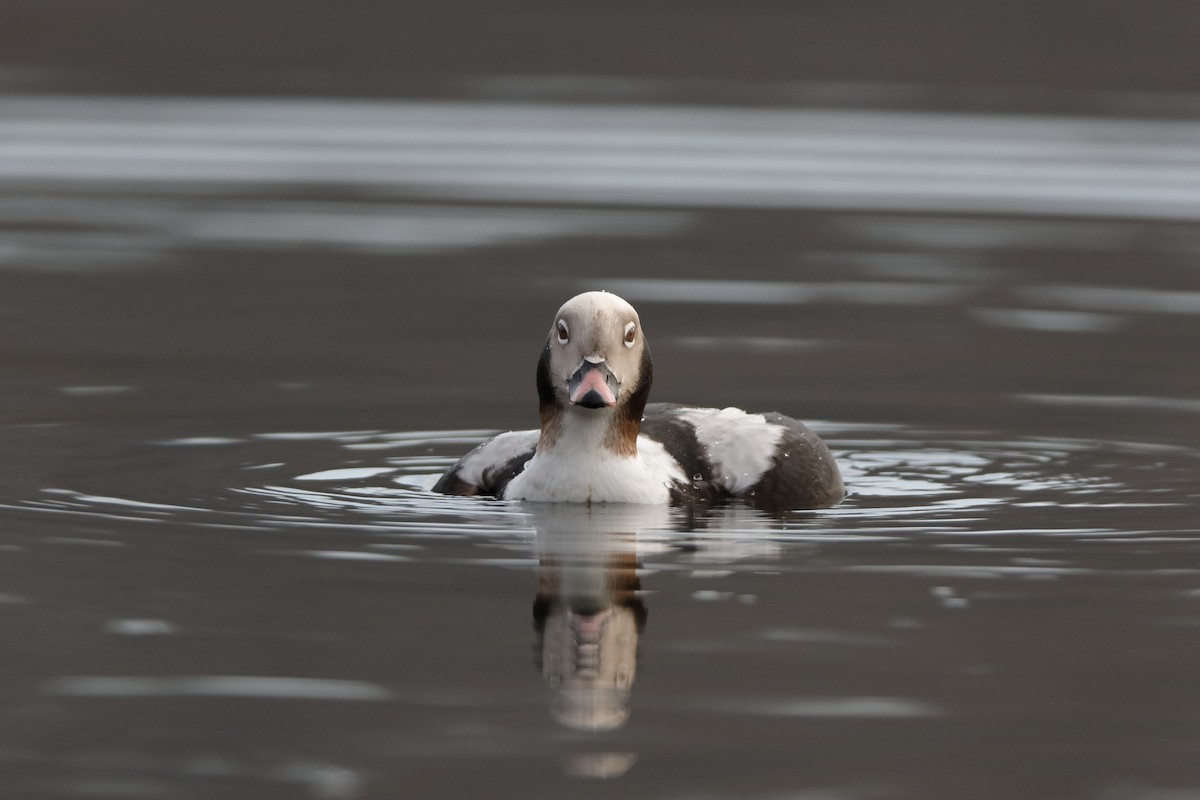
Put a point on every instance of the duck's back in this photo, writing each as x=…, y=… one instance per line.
x=770, y=460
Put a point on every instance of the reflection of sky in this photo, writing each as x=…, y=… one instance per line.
x=633, y=155
x=146, y=174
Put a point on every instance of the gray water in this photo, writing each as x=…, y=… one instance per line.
x=248, y=315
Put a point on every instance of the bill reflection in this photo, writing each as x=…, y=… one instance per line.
x=588, y=611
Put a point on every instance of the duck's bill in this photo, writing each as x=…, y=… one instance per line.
x=593, y=386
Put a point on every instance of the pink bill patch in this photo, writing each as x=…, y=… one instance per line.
x=594, y=381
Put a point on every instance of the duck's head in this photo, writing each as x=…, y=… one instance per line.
x=596, y=359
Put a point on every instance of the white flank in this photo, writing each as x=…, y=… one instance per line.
x=740, y=446
x=494, y=453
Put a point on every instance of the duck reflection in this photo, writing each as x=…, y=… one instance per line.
x=588, y=611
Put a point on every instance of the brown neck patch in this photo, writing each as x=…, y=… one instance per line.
x=626, y=424
x=549, y=411
x=621, y=436
x=551, y=426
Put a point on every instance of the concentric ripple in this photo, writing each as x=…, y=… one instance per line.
x=902, y=482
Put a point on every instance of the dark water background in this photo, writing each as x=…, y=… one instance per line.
x=266, y=269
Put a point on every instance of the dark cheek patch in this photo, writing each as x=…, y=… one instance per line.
x=545, y=384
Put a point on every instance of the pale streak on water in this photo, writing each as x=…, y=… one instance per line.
x=68, y=149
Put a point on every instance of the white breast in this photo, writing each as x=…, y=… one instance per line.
x=580, y=469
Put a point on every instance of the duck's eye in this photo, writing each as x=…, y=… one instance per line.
x=630, y=333
x=564, y=335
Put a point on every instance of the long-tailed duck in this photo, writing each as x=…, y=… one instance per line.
x=600, y=442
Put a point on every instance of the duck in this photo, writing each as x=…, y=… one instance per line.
x=601, y=441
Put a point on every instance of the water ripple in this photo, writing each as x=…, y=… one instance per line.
x=901, y=483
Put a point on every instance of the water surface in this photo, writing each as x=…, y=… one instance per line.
x=241, y=336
